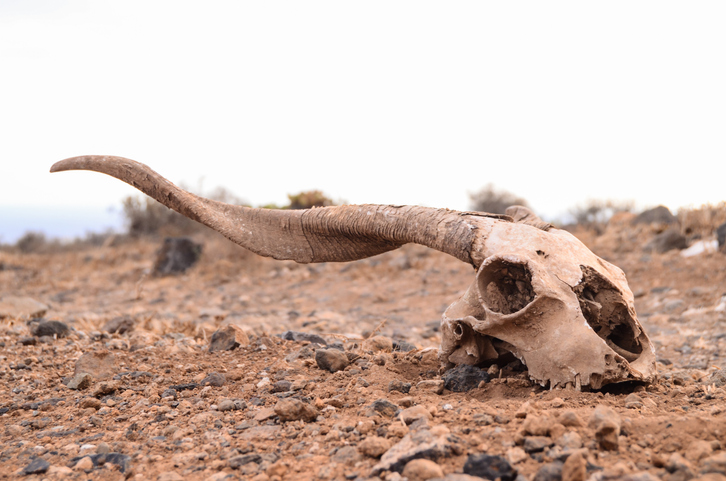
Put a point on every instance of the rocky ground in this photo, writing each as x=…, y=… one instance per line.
x=330, y=372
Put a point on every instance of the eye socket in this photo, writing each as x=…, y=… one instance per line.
x=458, y=330
x=506, y=286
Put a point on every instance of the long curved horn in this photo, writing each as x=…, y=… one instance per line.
x=324, y=234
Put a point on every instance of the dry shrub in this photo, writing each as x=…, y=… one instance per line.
x=702, y=221
x=594, y=214
x=308, y=200
x=494, y=201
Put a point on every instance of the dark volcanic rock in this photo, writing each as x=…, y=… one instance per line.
x=303, y=336
x=656, y=215
x=399, y=386
x=489, y=467
x=667, y=240
x=464, y=378
x=49, y=328
x=418, y=444
x=37, y=466
x=721, y=236
x=176, y=255
x=384, y=407
x=123, y=461
x=214, y=379
x=119, y=325
x=227, y=338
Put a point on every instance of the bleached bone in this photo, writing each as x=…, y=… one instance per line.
x=539, y=293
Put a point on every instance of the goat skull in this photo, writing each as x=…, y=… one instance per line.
x=539, y=293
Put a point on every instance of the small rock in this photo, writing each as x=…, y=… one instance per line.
x=90, y=402
x=176, y=255
x=170, y=476
x=226, y=405
x=422, y=470
x=698, y=450
x=569, y=419
x=237, y=462
x=535, y=444
x=214, y=379
x=435, y=386
x=294, y=409
x=657, y=215
x=303, y=336
x=606, y=424
x=331, y=360
x=412, y=414
x=537, y=425
x=105, y=387
x=103, y=448
x=575, y=467
x=228, y=338
x=399, y=386
x=37, y=466
x=489, y=467
x=569, y=440
x=633, y=401
x=281, y=386
x=21, y=307
x=667, y=240
x=403, y=346
x=378, y=344
x=420, y=443
x=516, y=455
x=49, y=328
x=119, y=325
x=374, y=446
x=28, y=341
x=714, y=464
x=384, y=407
x=99, y=364
x=346, y=455
x=84, y=464
x=464, y=378
x=549, y=472
x=80, y=381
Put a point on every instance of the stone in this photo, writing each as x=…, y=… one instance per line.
x=667, y=240
x=214, y=379
x=294, y=409
x=237, y=462
x=331, y=360
x=99, y=364
x=378, y=344
x=633, y=401
x=421, y=443
x=575, y=467
x=384, y=407
x=105, y=387
x=464, y=378
x=414, y=413
x=226, y=405
x=119, y=325
x=281, y=386
x=422, y=470
x=21, y=307
x=606, y=424
x=569, y=419
x=49, y=328
x=516, y=455
x=435, y=386
x=549, y=472
x=569, y=440
x=80, y=381
x=698, y=450
x=84, y=464
x=228, y=338
x=489, y=467
x=90, y=402
x=170, y=476
x=721, y=236
x=537, y=425
x=656, y=215
x=374, y=446
x=346, y=455
x=536, y=444
x=303, y=336
x=403, y=346
x=36, y=466
x=714, y=464
x=400, y=386
x=176, y=255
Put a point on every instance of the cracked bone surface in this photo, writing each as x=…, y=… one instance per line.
x=539, y=294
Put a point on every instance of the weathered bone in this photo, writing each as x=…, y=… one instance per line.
x=539, y=293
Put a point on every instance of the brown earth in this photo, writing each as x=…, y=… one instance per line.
x=168, y=416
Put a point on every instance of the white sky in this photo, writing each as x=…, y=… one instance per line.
x=401, y=102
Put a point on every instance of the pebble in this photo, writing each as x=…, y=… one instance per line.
x=105, y=387
x=537, y=425
x=281, y=386
x=331, y=360
x=99, y=364
x=550, y=472
x=606, y=424
x=464, y=378
x=226, y=405
x=84, y=464
x=399, y=386
x=228, y=338
x=516, y=455
x=294, y=409
x=119, y=325
x=633, y=401
x=422, y=470
x=37, y=466
x=714, y=464
x=421, y=443
x=21, y=307
x=378, y=344
x=569, y=440
x=575, y=467
x=414, y=413
x=176, y=255
x=346, y=455
x=80, y=381
x=384, y=407
x=489, y=467
x=374, y=446
x=214, y=379
x=49, y=328
x=569, y=419
x=535, y=444
x=698, y=450
x=302, y=337
x=403, y=346
x=435, y=386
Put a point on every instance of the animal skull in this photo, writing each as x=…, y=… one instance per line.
x=539, y=293
x=548, y=300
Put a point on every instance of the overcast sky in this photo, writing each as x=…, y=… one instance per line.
x=372, y=102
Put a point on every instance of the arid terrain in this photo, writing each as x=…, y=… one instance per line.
x=124, y=386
